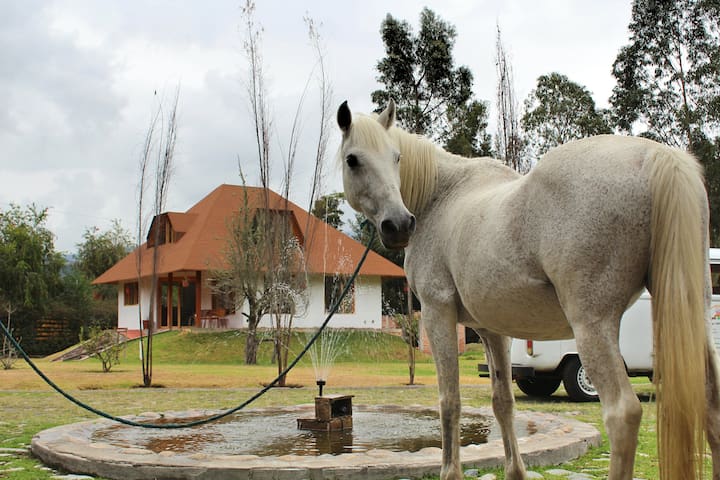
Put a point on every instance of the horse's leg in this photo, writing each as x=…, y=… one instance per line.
x=503, y=402
x=712, y=414
x=440, y=323
x=597, y=343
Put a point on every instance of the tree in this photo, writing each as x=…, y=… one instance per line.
x=30, y=270
x=407, y=320
x=410, y=327
x=508, y=140
x=433, y=97
x=668, y=83
x=29, y=265
x=668, y=76
x=158, y=153
x=96, y=304
x=96, y=253
x=8, y=354
x=263, y=270
x=327, y=209
x=105, y=345
x=288, y=298
x=559, y=110
x=101, y=250
x=264, y=258
x=467, y=133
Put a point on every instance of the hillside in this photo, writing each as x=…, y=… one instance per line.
x=228, y=347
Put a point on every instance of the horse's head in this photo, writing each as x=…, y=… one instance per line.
x=371, y=174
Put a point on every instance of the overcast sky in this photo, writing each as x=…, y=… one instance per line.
x=80, y=81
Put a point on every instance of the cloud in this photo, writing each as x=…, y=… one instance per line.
x=81, y=80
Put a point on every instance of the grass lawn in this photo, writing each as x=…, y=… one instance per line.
x=189, y=367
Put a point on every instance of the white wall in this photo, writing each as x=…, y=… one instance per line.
x=368, y=303
x=367, y=314
x=128, y=314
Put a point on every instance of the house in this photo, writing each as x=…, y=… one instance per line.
x=192, y=244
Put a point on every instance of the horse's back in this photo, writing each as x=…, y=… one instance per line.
x=578, y=224
x=591, y=205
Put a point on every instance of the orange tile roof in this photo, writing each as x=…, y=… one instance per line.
x=181, y=222
x=204, y=228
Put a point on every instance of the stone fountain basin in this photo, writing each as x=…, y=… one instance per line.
x=71, y=447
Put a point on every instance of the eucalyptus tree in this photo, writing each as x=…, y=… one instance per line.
x=433, y=96
x=328, y=209
x=668, y=75
x=559, y=110
x=668, y=83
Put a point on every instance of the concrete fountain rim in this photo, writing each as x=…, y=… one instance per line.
x=71, y=448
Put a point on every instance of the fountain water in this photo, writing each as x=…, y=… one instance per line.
x=324, y=352
x=332, y=412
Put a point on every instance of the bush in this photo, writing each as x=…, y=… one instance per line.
x=106, y=345
x=8, y=354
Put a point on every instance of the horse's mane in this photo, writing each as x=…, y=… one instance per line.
x=418, y=168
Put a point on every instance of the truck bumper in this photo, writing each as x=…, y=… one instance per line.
x=518, y=371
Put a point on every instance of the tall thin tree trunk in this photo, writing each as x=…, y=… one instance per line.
x=412, y=337
x=163, y=168
x=251, y=347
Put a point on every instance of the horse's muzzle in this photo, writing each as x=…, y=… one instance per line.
x=395, y=233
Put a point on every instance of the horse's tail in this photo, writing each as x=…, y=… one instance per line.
x=678, y=267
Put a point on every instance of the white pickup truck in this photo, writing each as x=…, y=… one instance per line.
x=538, y=367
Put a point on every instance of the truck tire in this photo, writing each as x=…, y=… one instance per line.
x=538, y=387
x=577, y=383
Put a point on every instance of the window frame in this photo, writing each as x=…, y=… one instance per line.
x=131, y=294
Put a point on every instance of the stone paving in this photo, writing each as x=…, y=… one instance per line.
x=69, y=447
x=470, y=474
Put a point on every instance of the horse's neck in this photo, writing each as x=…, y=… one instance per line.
x=427, y=171
x=482, y=172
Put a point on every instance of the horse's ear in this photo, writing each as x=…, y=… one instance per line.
x=344, y=117
x=387, y=117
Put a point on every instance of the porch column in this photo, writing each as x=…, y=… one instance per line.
x=169, y=301
x=198, y=296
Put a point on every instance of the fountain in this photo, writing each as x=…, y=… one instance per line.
x=332, y=412
x=386, y=442
x=341, y=441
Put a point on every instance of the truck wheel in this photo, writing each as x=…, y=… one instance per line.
x=577, y=382
x=538, y=387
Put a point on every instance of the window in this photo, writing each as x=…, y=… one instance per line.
x=161, y=231
x=334, y=287
x=715, y=277
x=131, y=293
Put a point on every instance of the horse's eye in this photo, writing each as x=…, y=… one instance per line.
x=352, y=161
x=397, y=158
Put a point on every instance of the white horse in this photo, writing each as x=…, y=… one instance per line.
x=559, y=252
